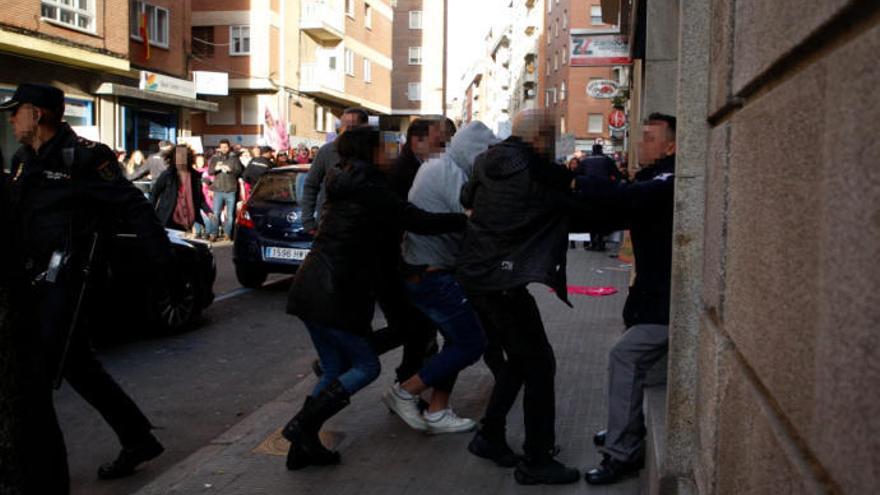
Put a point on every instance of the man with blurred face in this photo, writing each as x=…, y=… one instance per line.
x=645, y=208
x=313, y=194
x=516, y=235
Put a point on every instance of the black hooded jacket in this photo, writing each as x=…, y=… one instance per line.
x=518, y=231
x=357, y=247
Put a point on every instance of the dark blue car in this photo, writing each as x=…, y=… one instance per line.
x=269, y=235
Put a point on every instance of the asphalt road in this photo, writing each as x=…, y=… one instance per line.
x=192, y=386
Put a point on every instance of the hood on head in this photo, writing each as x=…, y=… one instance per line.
x=471, y=140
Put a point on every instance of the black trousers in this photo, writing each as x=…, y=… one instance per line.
x=82, y=370
x=34, y=457
x=512, y=320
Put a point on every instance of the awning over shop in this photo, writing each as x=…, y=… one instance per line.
x=114, y=89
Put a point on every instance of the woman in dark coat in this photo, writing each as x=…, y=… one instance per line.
x=334, y=291
x=177, y=196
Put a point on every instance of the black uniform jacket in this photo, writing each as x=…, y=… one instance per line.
x=357, y=248
x=599, y=166
x=69, y=189
x=645, y=207
x=518, y=231
x=255, y=169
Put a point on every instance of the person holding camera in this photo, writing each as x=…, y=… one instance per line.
x=226, y=169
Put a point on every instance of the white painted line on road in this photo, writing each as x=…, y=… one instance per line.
x=231, y=294
x=244, y=290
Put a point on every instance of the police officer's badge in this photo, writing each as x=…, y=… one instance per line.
x=108, y=171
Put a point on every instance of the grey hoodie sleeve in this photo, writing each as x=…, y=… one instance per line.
x=312, y=188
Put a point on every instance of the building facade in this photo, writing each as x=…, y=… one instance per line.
x=566, y=75
x=293, y=66
x=117, y=92
x=527, y=28
x=418, y=84
x=773, y=342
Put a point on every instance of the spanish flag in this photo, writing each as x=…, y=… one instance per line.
x=145, y=35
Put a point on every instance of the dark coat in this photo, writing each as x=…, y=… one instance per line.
x=225, y=181
x=518, y=231
x=255, y=169
x=356, y=248
x=645, y=207
x=153, y=167
x=403, y=173
x=599, y=166
x=164, y=196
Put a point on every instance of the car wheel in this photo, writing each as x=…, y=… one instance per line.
x=175, y=315
x=250, y=277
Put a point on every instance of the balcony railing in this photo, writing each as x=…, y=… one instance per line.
x=322, y=20
x=317, y=78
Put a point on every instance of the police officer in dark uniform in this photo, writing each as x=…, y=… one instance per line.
x=65, y=194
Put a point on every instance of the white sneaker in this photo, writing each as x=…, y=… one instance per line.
x=406, y=406
x=447, y=422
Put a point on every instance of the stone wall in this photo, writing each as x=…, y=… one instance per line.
x=785, y=374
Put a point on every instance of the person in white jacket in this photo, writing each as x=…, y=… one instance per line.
x=429, y=268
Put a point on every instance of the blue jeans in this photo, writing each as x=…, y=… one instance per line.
x=345, y=357
x=220, y=199
x=441, y=299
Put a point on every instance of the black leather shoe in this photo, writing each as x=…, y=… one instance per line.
x=544, y=470
x=129, y=459
x=599, y=438
x=496, y=451
x=612, y=470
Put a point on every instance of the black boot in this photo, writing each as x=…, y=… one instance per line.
x=302, y=431
x=493, y=447
x=130, y=457
x=543, y=469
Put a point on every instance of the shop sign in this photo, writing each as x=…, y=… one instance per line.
x=616, y=120
x=211, y=83
x=601, y=49
x=603, y=89
x=158, y=83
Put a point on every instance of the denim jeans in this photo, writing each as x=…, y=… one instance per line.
x=344, y=356
x=439, y=296
x=221, y=198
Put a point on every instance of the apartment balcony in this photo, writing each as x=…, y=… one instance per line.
x=322, y=20
x=318, y=80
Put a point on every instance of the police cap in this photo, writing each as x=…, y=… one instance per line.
x=38, y=95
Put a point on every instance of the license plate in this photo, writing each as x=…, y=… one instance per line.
x=280, y=253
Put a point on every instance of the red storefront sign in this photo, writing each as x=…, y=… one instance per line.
x=617, y=119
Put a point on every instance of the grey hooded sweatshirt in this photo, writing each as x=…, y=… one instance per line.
x=437, y=188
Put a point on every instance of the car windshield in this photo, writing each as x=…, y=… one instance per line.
x=278, y=188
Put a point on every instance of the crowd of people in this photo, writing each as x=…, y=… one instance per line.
x=444, y=236
x=201, y=195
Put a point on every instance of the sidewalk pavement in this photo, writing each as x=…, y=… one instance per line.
x=381, y=455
